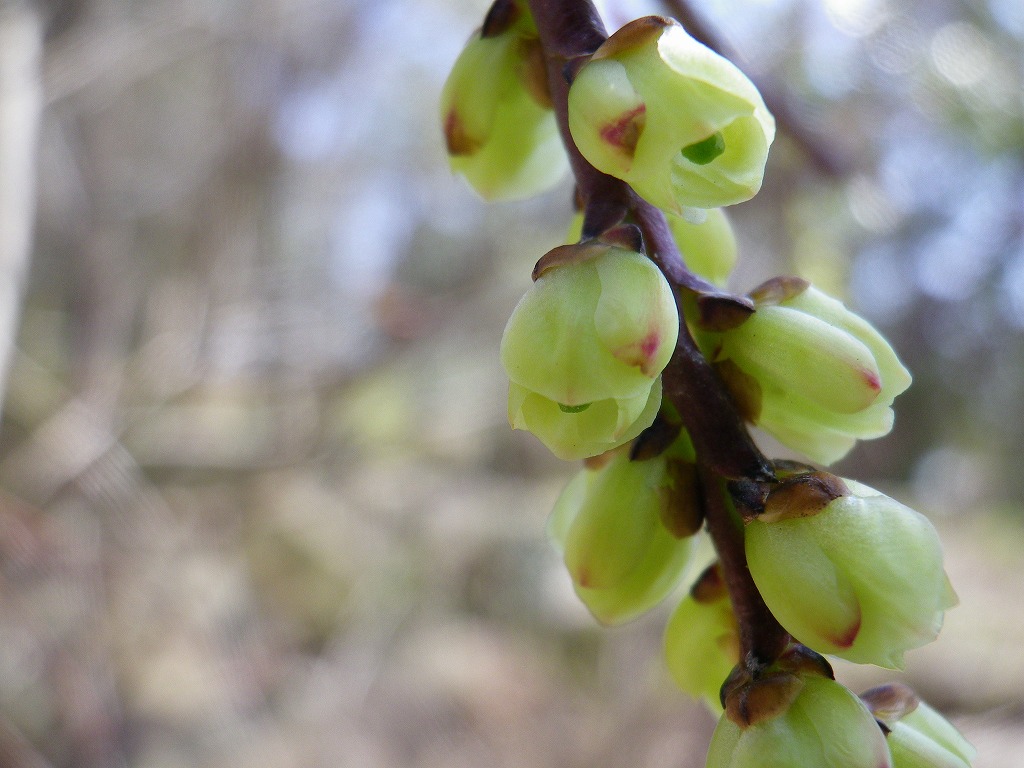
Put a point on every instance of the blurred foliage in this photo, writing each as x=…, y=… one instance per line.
x=261, y=505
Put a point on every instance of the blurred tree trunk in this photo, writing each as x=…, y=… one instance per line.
x=21, y=99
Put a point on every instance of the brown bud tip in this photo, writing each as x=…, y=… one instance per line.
x=561, y=255
x=744, y=390
x=722, y=311
x=682, y=512
x=457, y=140
x=763, y=699
x=635, y=33
x=502, y=15
x=802, y=495
x=801, y=660
x=890, y=702
x=627, y=236
x=777, y=290
x=710, y=585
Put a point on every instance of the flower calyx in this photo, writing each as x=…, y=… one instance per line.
x=626, y=236
x=753, y=694
x=802, y=495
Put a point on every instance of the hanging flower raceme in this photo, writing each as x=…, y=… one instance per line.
x=496, y=112
x=797, y=718
x=618, y=527
x=810, y=372
x=585, y=347
x=672, y=118
x=848, y=571
x=918, y=736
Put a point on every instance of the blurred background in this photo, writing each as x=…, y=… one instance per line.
x=259, y=501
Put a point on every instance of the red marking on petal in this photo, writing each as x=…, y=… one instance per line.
x=872, y=380
x=640, y=354
x=458, y=141
x=625, y=132
x=649, y=348
x=847, y=639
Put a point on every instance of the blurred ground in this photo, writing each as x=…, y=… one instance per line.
x=260, y=503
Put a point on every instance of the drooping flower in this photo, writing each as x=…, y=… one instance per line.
x=496, y=113
x=672, y=118
x=860, y=578
x=813, y=722
x=585, y=347
x=702, y=639
x=810, y=372
x=609, y=524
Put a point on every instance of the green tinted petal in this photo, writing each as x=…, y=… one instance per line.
x=616, y=524
x=708, y=248
x=605, y=425
x=812, y=599
x=807, y=356
x=636, y=318
x=506, y=144
x=702, y=647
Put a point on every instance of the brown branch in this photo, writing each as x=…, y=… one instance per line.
x=762, y=638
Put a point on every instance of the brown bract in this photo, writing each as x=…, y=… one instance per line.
x=803, y=495
x=634, y=34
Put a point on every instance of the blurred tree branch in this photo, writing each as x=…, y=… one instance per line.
x=21, y=102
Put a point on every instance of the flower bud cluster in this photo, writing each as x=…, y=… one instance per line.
x=818, y=564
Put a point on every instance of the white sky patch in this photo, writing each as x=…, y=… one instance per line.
x=961, y=54
x=1011, y=289
x=857, y=18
